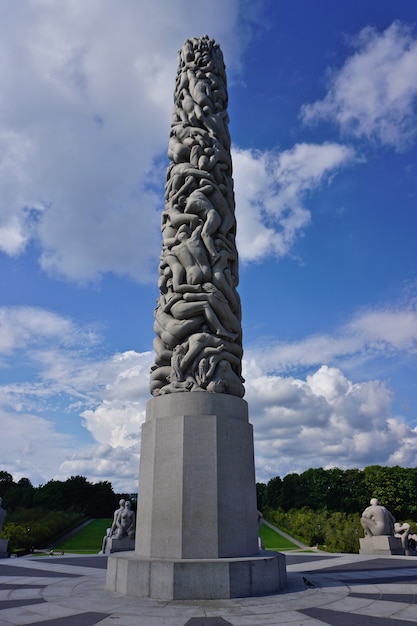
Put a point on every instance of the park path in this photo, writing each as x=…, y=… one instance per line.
x=68, y=534
x=301, y=545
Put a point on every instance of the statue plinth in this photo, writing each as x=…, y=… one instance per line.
x=119, y=545
x=381, y=544
x=197, y=530
x=196, y=579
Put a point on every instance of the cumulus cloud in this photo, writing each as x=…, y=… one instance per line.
x=22, y=325
x=325, y=421
x=30, y=445
x=324, y=418
x=271, y=189
x=85, y=111
x=374, y=94
x=371, y=334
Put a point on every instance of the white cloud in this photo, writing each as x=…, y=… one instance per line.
x=373, y=333
x=325, y=421
x=105, y=462
x=21, y=326
x=30, y=446
x=374, y=94
x=271, y=189
x=55, y=378
x=85, y=111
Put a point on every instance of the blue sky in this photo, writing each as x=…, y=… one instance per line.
x=323, y=112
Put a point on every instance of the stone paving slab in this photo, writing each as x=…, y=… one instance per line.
x=337, y=590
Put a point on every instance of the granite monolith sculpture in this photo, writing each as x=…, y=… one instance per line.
x=197, y=519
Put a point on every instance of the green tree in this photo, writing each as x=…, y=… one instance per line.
x=51, y=497
x=274, y=493
x=379, y=483
x=19, y=495
x=315, y=485
x=6, y=482
x=260, y=496
x=293, y=495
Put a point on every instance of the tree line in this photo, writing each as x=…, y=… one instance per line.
x=36, y=516
x=75, y=494
x=323, y=507
x=347, y=491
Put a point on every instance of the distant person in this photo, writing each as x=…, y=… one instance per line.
x=377, y=520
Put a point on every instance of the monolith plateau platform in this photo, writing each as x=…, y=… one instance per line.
x=197, y=516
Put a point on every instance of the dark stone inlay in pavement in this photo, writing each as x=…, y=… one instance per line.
x=82, y=619
x=100, y=562
x=372, y=564
x=33, y=573
x=14, y=604
x=406, y=598
x=207, y=621
x=338, y=618
x=373, y=580
x=7, y=586
x=295, y=559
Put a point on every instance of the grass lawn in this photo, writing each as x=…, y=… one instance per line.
x=274, y=541
x=88, y=540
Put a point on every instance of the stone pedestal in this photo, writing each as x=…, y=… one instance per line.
x=196, y=579
x=197, y=529
x=382, y=544
x=3, y=548
x=119, y=545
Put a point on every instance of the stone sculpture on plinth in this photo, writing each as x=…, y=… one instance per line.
x=120, y=537
x=197, y=530
x=3, y=542
x=378, y=524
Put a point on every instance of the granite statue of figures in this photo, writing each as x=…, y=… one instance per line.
x=122, y=528
x=382, y=534
x=125, y=523
x=198, y=341
x=376, y=520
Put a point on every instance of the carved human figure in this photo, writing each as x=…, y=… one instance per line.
x=197, y=323
x=105, y=541
x=126, y=522
x=116, y=516
x=377, y=520
x=188, y=260
x=402, y=531
x=225, y=380
x=207, y=305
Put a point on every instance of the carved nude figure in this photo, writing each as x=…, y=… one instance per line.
x=198, y=341
x=377, y=520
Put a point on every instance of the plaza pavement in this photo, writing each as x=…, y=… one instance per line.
x=339, y=589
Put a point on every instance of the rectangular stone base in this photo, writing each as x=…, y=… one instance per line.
x=382, y=544
x=3, y=548
x=199, y=579
x=125, y=544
